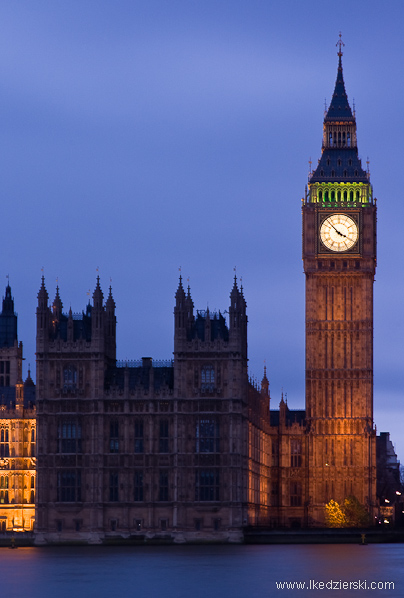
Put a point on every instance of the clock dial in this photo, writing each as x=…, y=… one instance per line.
x=339, y=232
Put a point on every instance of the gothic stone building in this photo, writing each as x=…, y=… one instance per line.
x=17, y=429
x=191, y=449
x=147, y=449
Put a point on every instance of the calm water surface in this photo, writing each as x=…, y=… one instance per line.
x=196, y=571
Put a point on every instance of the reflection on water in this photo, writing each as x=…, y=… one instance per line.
x=196, y=571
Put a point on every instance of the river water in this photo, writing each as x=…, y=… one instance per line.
x=199, y=571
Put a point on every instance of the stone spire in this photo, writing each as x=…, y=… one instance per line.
x=98, y=296
x=339, y=108
x=43, y=296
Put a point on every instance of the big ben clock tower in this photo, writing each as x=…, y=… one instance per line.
x=339, y=257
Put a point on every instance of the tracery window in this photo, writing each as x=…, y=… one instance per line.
x=207, y=436
x=207, y=378
x=69, y=437
x=163, y=485
x=164, y=438
x=69, y=485
x=114, y=486
x=295, y=494
x=295, y=453
x=32, y=442
x=207, y=484
x=69, y=378
x=114, y=436
x=139, y=437
x=138, y=486
x=4, y=443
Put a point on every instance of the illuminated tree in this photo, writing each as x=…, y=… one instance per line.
x=355, y=513
x=334, y=516
x=350, y=514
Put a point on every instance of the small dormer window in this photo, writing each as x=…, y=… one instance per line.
x=345, y=173
x=332, y=172
x=322, y=172
x=328, y=161
x=356, y=173
x=339, y=162
x=349, y=162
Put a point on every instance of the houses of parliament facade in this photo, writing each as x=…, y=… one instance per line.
x=190, y=449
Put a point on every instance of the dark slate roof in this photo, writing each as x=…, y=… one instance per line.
x=7, y=396
x=292, y=416
x=139, y=377
x=81, y=326
x=339, y=109
x=218, y=327
x=339, y=165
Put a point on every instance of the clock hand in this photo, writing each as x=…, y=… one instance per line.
x=337, y=231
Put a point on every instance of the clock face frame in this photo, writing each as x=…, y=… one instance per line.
x=339, y=232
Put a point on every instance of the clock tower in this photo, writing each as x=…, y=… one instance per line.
x=339, y=258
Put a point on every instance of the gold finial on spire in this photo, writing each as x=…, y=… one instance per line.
x=340, y=43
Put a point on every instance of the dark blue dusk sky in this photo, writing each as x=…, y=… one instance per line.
x=141, y=136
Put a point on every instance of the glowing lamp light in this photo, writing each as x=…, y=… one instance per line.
x=385, y=500
x=398, y=493
x=386, y=521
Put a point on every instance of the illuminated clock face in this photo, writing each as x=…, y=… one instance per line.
x=339, y=232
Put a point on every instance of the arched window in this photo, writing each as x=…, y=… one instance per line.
x=69, y=378
x=4, y=446
x=32, y=442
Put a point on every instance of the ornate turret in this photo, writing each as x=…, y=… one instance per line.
x=98, y=296
x=183, y=315
x=57, y=309
x=238, y=318
x=8, y=321
x=110, y=322
x=339, y=176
